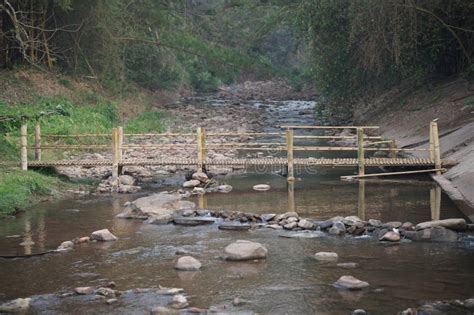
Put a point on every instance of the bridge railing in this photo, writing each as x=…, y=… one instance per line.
x=201, y=142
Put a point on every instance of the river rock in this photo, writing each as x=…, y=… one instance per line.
x=392, y=225
x=390, y=236
x=200, y=176
x=408, y=226
x=84, y=239
x=305, y=224
x=67, y=245
x=199, y=190
x=338, y=228
x=436, y=234
x=84, y=290
x=103, y=235
x=156, y=204
x=452, y=224
x=469, y=303
x=350, y=283
x=359, y=312
x=193, y=221
x=107, y=292
x=326, y=256
x=351, y=220
x=261, y=187
x=290, y=226
x=179, y=301
x=191, y=183
x=160, y=219
x=374, y=222
x=234, y=227
x=224, y=188
x=245, y=250
x=267, y=216
x=15, y=306
x=291, y=214
x=188, y=263
x=126, y=180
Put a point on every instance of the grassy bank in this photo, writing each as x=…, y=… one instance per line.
x=82, y=110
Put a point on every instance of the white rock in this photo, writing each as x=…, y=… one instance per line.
x=350, y=283
x=305, y=224
x=224, y=188
x=200, y=176
x=390, y=236
x=15, y=306
x=103, y=236
x=191, y=183
x=188, y=263
x=126, y=180
x=179, y=301
x=261, y=187
x=245, y=250
x=326, y=256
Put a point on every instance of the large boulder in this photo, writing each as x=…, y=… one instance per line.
x=103, y=235
x=155, y=205
x=245, y=250
x=436, y=234
x=350, y=283
x=188, y=263
x=452, y=224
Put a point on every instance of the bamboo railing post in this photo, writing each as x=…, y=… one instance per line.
x=24, y=146
x=37, y=141
x=361, y=200
x=432, y=151
x=120, y=148
x=360, y=151
x=437, y=152
x=115, y=152
x=289, y=149
x=201, y=142
x=393, y=151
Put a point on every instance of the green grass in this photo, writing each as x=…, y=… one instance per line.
x=145, y=122
x=19, y=189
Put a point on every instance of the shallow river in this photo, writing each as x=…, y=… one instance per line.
x=290, y=281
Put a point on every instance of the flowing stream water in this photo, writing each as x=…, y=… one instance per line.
x=289, y=281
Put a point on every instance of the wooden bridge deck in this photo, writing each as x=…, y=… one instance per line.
x=328, y=162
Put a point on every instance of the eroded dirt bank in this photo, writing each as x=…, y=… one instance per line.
x=405, y=114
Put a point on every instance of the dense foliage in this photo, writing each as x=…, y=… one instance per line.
x=364, y=46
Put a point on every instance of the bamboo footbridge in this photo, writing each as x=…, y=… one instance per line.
x=281, y=149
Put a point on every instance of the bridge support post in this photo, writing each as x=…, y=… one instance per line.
x=37, y=141
x=435, y=152
x=393, y=151
x=360, y=151
x=115, y=152
x=24, y=146
x=120, y=148
x=289, y=149
x=201, y=143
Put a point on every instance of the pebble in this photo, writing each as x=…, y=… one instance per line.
x=111, y=301
x=261, y=187
x=179, y=301
x=84, y=290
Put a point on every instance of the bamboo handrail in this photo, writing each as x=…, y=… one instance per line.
x=245, y=134
x=159, y=134
x=76, y=135
x=327, y=127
